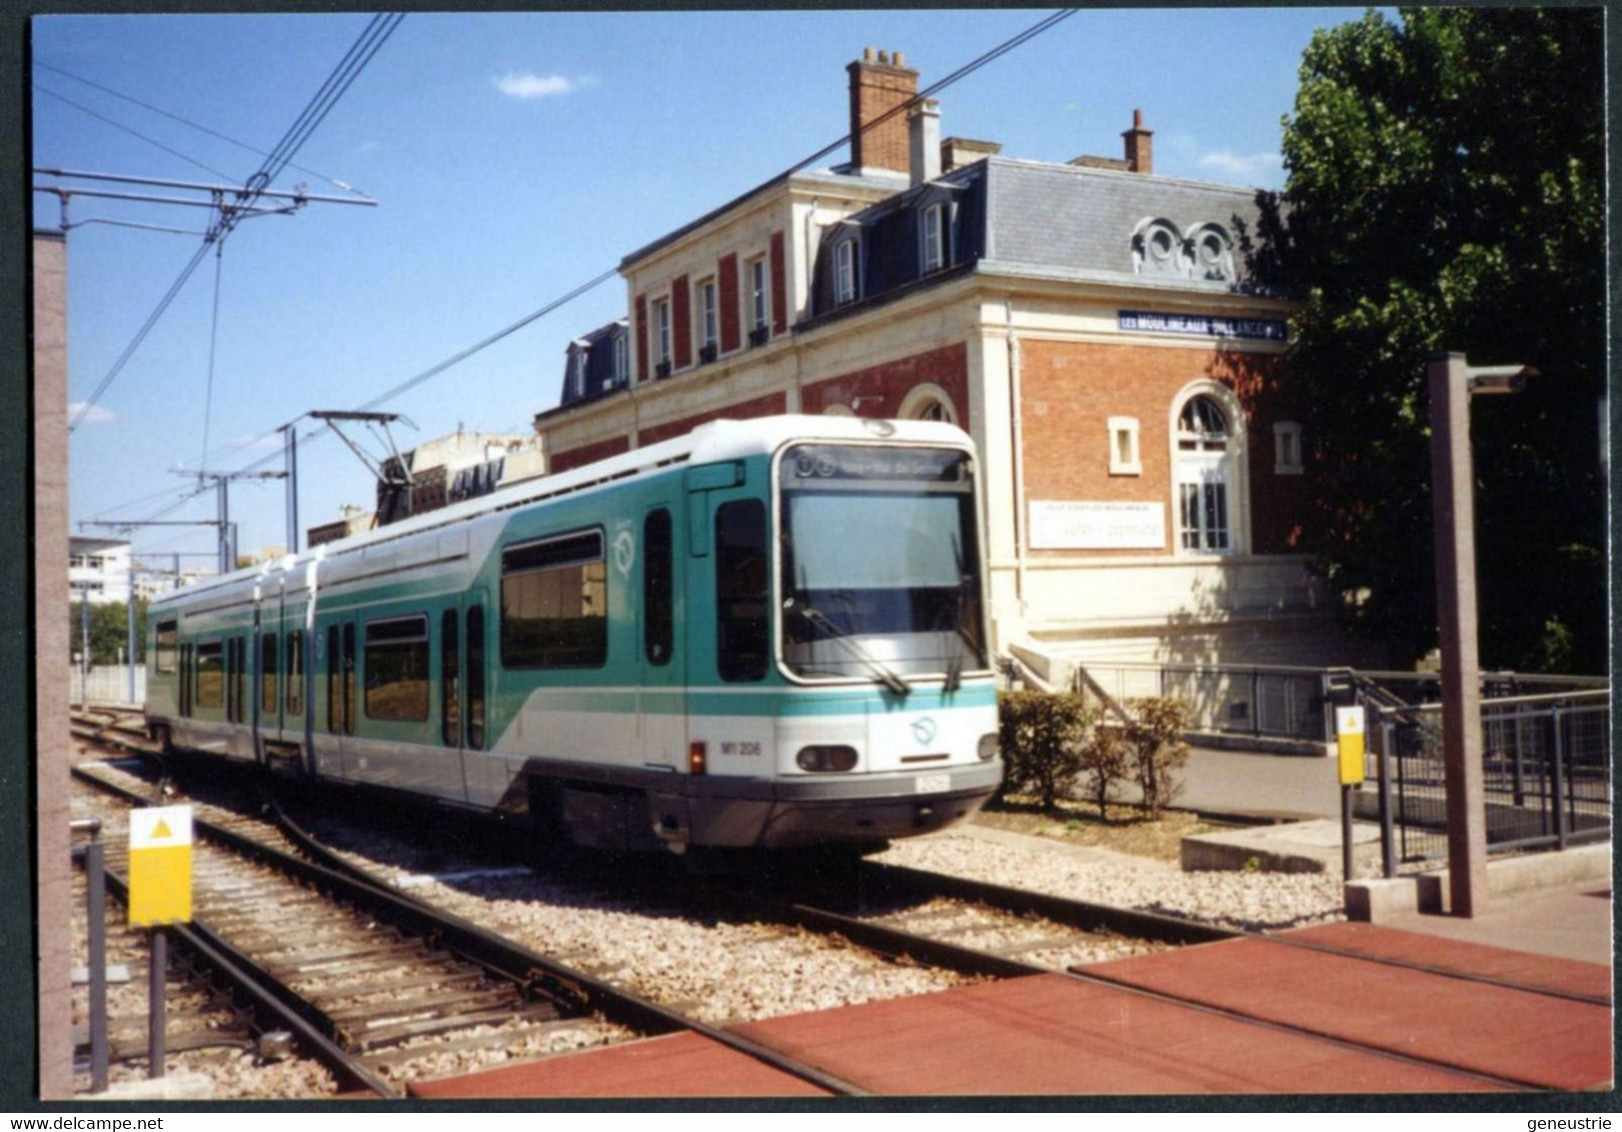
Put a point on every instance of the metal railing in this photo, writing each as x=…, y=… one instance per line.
x=1270, y=701
x=1546, y=762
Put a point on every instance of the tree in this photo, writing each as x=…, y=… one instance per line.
x=109, y=631
x=1446, y=192
x=1154, y=734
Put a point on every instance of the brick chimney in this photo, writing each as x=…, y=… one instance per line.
x=878, y=84
x=1140, y=150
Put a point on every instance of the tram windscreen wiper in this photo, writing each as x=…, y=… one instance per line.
x=887, y=675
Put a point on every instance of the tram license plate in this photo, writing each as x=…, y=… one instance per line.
x=932, y=783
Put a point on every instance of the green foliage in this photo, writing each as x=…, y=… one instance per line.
x=1041, y=736
x=109, y=631
x=1154, y=738
x=1106, y=761
x=1446, y=192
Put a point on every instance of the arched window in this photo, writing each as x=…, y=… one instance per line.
x=1209, y=472
x=928, y=402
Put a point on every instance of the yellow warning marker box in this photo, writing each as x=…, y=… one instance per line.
x=160, y=866
x=1349, y=726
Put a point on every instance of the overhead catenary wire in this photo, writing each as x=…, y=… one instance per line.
x=343, y=76
x=1047, y=23
x=117, y=125
x=186, y=122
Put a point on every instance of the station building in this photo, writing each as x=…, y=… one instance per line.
x=1095, y=327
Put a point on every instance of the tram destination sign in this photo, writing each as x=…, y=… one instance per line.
x=1205, y=325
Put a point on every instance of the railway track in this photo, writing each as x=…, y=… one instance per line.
x=400, y=986
x=988, y=931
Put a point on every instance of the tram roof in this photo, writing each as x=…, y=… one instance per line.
x=709, y=443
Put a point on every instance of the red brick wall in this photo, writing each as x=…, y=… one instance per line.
x=681, y=323
x=779, y=285
x=727, y=289
x=882, y=388
x=589, y=453
x=769, y=405
x=875, y=90
x=1069, y=391
x=642, y=338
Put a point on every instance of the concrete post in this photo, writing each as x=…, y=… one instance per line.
x=1453, y=509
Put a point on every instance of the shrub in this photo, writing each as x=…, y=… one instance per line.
x=1041, y=736
x=1106, y=761
x=1157, y=750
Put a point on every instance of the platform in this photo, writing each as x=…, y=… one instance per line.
x=1404, y=1012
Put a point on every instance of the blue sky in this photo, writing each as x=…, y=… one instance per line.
x=514, y=157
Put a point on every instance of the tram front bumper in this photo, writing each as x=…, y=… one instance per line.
x=798, y=812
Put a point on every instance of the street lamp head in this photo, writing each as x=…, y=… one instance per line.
x=1498, y=379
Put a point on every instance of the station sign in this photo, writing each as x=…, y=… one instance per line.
x=1349, y=726
x=160, y=866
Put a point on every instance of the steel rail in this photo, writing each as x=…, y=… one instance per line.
x=968, y=960
x=244, y=975
x=517, y=961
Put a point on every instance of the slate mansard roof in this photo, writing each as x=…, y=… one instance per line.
x=1062, y=221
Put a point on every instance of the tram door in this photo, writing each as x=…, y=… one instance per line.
x=661, y=699
x=464, y=723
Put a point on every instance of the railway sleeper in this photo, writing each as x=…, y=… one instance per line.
x=306, y=956
x=339, y=966
x=393, y=1035
x=404, y=1055
x=381, y=1012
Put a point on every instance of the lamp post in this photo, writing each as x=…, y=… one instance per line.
x=1452, y=382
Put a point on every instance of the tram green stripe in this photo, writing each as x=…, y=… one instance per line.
x=784, y=702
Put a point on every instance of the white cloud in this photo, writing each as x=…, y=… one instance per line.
x=96, y=415
x=1243, y=165
x=525, y=84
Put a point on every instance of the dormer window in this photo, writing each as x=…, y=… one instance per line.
x=934, y=238
x=845, y=270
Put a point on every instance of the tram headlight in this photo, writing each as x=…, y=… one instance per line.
x=826, y=758
x=988, y=747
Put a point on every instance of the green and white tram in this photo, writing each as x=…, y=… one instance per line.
x=767, y=634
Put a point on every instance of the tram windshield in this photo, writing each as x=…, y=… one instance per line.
x=880, y=563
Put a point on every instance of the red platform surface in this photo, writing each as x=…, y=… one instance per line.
x=1531, y=1038
x=675, y=1065
x=1049, y=1034
x=1544, y=972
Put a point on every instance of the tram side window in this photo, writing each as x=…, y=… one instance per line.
x=334, y=670
x=475, y=678
x=450, y=698
x=168, y=643
x=554, y=603
x=267, y=673
x=740, y=590
x=658, y=595
x=397, y=669
x=210, y=675
x=295, y=673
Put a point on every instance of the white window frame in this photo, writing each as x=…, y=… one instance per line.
x=1287, y=448
x=1125, y=455
x=1208, y=464
x=933, y=252
x=927, y=402
x=661, y=330
x=760, y=294
x=709, y=315
x=622, y=358
x=847, y=284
